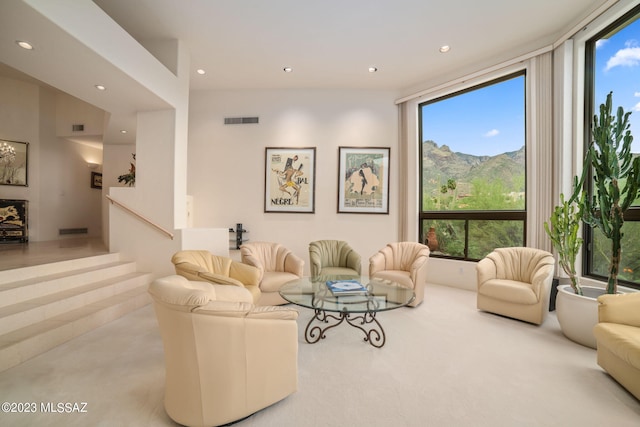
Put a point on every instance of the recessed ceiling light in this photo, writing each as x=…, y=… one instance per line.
x=287, y=69
x=100, y=87
x=24, y=45
x=123, y=131
x=444, y=49
x=373, y=69
x=201, y=71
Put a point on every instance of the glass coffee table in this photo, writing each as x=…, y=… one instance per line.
x=358, y=310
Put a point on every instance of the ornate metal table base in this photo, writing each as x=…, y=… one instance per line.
x=366, y=322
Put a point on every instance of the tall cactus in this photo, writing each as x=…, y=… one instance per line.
x=610, y=158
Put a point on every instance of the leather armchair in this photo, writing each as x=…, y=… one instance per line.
x=277, y=265
x=516, y=282
x=618, y=338
x=224, y=359
x=404, y=263
x=333, y=257
x=204, y=266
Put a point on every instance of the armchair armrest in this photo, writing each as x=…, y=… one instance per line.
x=354, y=261
x=621, y=308
x=294, y=264
x=246, y=310
x=418, y=269
x=376, y=263
x=418, y=263
x=272, y=312
x=224, y=308
x=253, y=261
x=486, y=270
x=246, y=274
x=315, y=259
x=219, y=278
x=541, y=280
x=188, y=267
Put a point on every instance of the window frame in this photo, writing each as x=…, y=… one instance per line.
x=589, y=109
x=470, y=215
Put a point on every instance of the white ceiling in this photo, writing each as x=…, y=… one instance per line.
x=244, y=44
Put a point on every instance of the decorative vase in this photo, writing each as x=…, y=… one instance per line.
x=432, y=239
x=578, y=314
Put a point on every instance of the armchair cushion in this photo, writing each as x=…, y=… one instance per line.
x=330, y=257
x=272, y=281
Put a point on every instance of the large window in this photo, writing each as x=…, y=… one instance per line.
x=613, y=65
x=472, y=170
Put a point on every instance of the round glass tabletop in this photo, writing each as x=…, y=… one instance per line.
x=376, y=295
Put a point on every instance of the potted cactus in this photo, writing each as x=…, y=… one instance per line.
x=562, y=229
x=616, y=177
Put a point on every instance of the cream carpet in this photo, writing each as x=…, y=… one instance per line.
x=444, y=364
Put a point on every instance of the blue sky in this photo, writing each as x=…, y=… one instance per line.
x=486, y=121
x=618, y=70
x=490, y=120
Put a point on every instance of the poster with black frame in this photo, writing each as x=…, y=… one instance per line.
x=13, y=220
x=363, y=180
x=289, y=181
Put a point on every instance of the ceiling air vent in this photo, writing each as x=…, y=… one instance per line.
x=77, y=128
x=240, y=120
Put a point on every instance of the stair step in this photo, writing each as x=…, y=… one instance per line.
x=41, y=308
x=34, y=287
x=25, y=273
x=22, y=344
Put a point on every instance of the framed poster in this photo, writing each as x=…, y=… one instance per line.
x=13, y=220
x=363, y=180
x=96, y=180
x=290, y=179
x=13, y=162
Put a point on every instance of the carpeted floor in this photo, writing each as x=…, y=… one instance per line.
x=444, y=364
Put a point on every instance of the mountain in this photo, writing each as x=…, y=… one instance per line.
x=441, y=164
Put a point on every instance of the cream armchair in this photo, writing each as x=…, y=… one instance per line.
x=277, y=265
x=618, y=338
x=204, y=266
x=516, y=282
x=224, y=359
x=333, y=257
x=404, y=263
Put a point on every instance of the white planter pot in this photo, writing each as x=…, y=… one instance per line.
x=578, y=314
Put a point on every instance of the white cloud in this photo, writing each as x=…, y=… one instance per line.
x=601, y=43
x=637, y=107
x=627, y=57
x=492, y=132
x=636, y=94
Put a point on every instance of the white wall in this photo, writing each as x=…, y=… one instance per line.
x=19, y=121
x=226, y=162
x=59, y=190
x=116, y=161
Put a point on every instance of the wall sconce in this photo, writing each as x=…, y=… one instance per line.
x=92, y=166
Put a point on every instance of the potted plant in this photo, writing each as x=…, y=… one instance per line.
x=562, y=229
x=616, y=176
x=129, y=178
